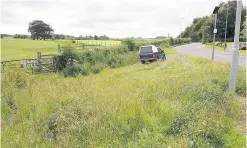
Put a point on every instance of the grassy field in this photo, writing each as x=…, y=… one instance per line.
x=181, y=102
x=15, y=49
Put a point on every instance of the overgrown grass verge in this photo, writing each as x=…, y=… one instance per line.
x=215, y=47
x=177, y=103
x=242, y=51
x=169, y=51
x=222, y=49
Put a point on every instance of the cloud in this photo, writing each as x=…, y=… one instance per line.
x=115, y=18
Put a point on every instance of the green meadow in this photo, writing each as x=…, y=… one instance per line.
x=16, y=49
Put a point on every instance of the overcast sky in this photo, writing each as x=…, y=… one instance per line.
x=115, y=18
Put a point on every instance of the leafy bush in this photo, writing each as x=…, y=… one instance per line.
x=68, y=54
x=131, y=44
x=71, y=63
x=164, y=43
x=72, y=68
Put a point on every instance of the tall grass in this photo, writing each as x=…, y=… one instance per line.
x=182, y=102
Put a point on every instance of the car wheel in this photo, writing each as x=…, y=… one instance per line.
x=157, y=58
x=143, y=62
x=164, y=58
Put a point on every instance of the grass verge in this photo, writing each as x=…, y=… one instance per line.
x=169, y=51
x=222, y=49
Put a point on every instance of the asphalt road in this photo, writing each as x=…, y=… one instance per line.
x=198, y=49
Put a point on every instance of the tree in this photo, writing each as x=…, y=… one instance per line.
x=40, y=30
x=202, y=27
x=96, y=37
x=20, y=36
x=243, y=32
x=59, y=36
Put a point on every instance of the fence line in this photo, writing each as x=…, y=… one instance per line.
x=41, y=63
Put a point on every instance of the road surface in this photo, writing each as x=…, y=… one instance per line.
x=198, y=49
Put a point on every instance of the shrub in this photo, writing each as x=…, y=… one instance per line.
x=165, y=44
x=171, y=41
x=71, y=63
x=68, y=53
x=96, y=69
x=131, y=44
x=72, y=68
x=218, y=44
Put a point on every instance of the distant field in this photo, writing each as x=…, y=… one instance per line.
x=15, y=49
x=99, y=42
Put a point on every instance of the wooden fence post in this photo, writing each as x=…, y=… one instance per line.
x=2, y=66
x=39, y=60
x=55, y=64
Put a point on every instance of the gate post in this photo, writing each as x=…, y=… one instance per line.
x=39, y=60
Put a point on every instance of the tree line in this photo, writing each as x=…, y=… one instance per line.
x=41, y=30
x=87, y=37
x=202, y=28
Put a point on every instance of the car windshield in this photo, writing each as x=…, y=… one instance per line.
x=146, y=49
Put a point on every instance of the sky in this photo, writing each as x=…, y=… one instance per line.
x=114, y=18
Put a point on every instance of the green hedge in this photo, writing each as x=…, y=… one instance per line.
x=71, y=63
x=164, y=43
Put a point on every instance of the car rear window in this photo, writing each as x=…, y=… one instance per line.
x=146, y=49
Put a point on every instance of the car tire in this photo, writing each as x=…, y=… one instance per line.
x=143, y=62
x=164, y=58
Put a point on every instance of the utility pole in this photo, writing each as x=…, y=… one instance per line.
x=215, y=31
x=226, y=25
x=216, y=9
x=235, y=53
